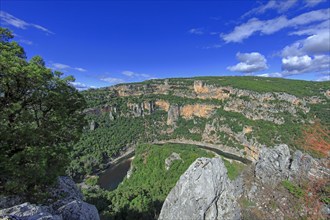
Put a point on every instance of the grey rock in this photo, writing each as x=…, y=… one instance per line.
x=202, y=192
x=66, y=204
x=70, y=204
x=173, y=114
x=168, y=161
x=137, y=110
x=305, y=166
x=111, y=116
x=27, y=211
x=93, y=125
x=273, y=164
x=66, y=191
x=78, y=210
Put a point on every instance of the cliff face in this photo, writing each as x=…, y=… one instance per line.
x=242, y=114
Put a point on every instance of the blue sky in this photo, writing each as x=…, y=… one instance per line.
x=103, y=43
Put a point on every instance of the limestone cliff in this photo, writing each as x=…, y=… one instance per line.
x=245, y=114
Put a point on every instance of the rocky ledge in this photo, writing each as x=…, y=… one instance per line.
x=67, y=204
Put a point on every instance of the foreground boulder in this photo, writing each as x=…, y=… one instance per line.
x=202, y=192
x=27, y=211
x=66, y=204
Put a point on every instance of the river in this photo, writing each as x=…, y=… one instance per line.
x=115, y=174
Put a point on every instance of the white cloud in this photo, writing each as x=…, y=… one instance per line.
x=9, y=19
x=197, y=31
x=214, y=46
x=133, y=74
x=318, y=43
x=313, y=29
x=249, y=63
x=276, y=74
x=279, y=6
x=81, y=86
x=61, y=66
x=128, y=73
x=27, y=42
x=80, y=69
x=113, y=80
x=312, y=3
x=296, y=63
x=324, y=78
x=271, y=26
x=305, y=64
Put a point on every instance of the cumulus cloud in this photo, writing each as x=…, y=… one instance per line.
x=305, y=64
x=271, y=26
x=197, y=31
x=113, y=80
x=249, y=63
x=62, y=67
x=81, y=86
x=9, y=19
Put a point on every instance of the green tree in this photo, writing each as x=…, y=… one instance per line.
x=40, y=118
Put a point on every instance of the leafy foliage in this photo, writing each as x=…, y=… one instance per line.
x=293, y=188
x=40, y=116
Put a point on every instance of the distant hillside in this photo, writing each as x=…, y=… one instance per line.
x=238, y=115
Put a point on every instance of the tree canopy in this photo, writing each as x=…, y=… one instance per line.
x=40, y=117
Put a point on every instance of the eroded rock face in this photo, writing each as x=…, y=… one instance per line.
x=67, y=204
x=173, y=114
x=198, y=110
x=273, y=164
x=202, y=192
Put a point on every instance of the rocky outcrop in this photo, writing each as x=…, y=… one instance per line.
x=27, y=211
x=198, y=110
x=277, y=164
x=173, y=114
x=66, y=202
x=168, y=161
x=202, y=192
x=163, y=105
x=305, y=166
x=273, y=164
x=204, y=91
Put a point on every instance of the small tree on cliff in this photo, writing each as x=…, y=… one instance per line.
x=40, y=117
